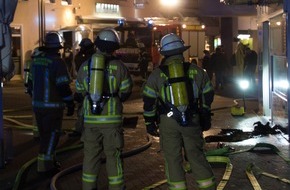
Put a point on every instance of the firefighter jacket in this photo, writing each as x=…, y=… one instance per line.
x=117, y=88
x=200, y=90
x=49, y=82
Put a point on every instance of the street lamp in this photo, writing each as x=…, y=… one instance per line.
x=170, y=3
x=244, y=85
x=238, y=110
x=169, y=6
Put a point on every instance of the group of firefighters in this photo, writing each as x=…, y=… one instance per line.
x=177, y=100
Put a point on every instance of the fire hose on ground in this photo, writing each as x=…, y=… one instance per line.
x=74, y=168
x=214, y=156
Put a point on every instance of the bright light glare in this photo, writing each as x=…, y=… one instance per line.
x=283, y=84
x=169, y=2
x=244, y=36
x=244, y=84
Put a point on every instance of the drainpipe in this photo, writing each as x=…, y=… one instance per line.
x=286, y=10
x=41, y=21
x=251, y=2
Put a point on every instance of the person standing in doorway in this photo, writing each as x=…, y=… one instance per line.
x=206, y=64
x=250, y=64
x=219, y=64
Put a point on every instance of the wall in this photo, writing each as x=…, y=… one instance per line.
x=59, y=17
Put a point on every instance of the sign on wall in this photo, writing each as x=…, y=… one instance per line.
x=107, y=8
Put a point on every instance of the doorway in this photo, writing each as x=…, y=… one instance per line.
x=16, y=51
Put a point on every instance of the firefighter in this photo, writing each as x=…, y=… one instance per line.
x=143, y=62
x=86, y=51
x=177, y=100
x=105, y=83
x=35, y=53
x=49, y=85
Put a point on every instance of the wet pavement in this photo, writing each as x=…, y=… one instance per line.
x=143, y=161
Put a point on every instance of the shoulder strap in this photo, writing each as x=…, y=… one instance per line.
x=164, y=69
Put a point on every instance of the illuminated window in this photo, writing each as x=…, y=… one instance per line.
x=66, y=2
x=107, y=8
x=139, y=4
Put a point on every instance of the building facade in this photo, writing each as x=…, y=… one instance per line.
x=75, y=19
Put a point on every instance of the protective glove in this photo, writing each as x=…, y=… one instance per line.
x=152, y=129
x=205, y=120
x=70, y=108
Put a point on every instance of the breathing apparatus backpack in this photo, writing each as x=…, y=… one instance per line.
x=96, y=74
x=99, y=91
x=176, y=97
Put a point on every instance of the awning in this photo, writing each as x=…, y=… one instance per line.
x=251, y=2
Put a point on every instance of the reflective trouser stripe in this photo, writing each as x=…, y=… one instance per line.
x=89, y=178
x=44, y=162
x=206, y=183
x=116, y=180
x=50, y=147
x=181, y=185
x=45, y=157
x=103, y=119
x=119, y=179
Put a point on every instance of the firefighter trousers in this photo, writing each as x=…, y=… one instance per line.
x=176, y=140
x=107, y=139
x=49, y=123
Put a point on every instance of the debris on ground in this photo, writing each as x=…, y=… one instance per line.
x=234, y=135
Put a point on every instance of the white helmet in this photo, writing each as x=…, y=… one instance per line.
x=171, y=44
x=109, y=34
x=108, y=40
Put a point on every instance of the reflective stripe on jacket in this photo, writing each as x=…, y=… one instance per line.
x=119, y=81
x=49, y=81
x=202, y=89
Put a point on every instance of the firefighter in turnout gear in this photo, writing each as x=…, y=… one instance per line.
x=86, y=51
x=36, y=52
x=105, y=83
x=177, y=101
x=49, y=84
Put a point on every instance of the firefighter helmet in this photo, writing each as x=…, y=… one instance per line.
x=85, y=43
x=108, y=40
x=171, y=44
x=53, y=40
